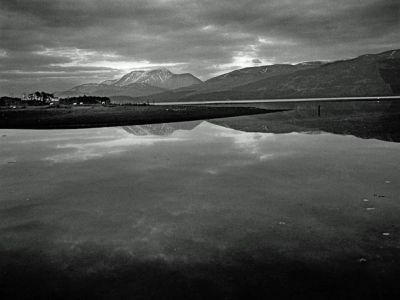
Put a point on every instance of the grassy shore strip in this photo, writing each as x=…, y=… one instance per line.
x=282, y=100
x=99, y=116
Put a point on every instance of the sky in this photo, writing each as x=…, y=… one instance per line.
x=53, y=45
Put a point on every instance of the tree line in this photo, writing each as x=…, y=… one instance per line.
x=43, y=98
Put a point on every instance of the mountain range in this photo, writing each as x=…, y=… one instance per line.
x=135, y=83
x=366, y=75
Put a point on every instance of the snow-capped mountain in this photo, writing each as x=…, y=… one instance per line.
x=135, y=84
x=132, y=77
x=162, y=78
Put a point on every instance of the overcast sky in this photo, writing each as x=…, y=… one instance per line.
x=55, y=44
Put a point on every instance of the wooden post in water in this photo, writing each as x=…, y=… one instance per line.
x=319, y=110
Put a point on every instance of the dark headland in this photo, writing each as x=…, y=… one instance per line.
x=105, y=116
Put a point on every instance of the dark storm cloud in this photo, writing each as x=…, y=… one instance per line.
x=203, y=37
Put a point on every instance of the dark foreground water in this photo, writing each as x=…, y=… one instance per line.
x=151, y=212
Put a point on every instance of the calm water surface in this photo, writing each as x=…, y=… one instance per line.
x=198, y=194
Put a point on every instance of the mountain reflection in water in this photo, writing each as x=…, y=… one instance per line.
x=382, y=127
x=197, y=210
x=161, y=129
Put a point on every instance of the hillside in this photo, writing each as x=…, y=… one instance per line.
x=162, y=78
x=247, y=75
x=366, y=75
x=105, y=90
x=135, y=84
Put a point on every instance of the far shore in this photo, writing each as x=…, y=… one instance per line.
x=283, y=100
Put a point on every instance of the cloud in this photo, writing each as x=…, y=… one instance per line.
x=82, y=151
x=202, y=37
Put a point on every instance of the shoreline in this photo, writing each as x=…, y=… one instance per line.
x=283, y=100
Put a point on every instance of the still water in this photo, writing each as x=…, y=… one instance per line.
x=208, y=203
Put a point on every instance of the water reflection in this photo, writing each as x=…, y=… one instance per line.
x=384, y=127
x=105, y=203
x=364, y=119
x=161, y=129
x=187, y=133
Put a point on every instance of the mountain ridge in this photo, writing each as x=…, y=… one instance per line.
x=365, y=75
x=137, y=83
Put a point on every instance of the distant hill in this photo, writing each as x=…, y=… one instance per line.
x=105, y=90
x=162, y=78
x=247, y=75
x=366, y=75
x=135, y=84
